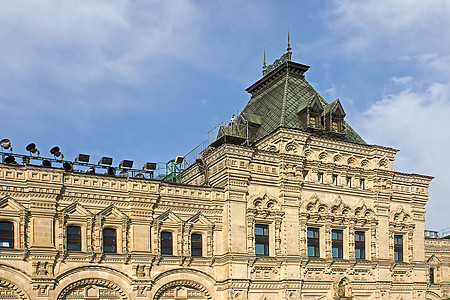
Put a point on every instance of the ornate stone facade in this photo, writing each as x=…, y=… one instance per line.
x=296, y=214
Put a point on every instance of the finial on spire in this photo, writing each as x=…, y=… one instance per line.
x=264, y=65
x=289, y=47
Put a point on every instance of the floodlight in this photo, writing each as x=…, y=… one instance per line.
x=126, y=164
x=56, y=152
x=32, y=148
x=179, y=159
x=124, y=173
x=83, y=158
x=90, y=170
x=149, y=166
x=10, y=160
x=105, y=161
x=110, y=171
x=5, y=143
x=140, y=175
x=67, y=166
x=25, y=160
x=46, y=163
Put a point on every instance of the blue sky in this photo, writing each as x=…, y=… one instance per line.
x=146, y=80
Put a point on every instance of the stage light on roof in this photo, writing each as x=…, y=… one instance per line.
x=82, y=158
x=105, y=161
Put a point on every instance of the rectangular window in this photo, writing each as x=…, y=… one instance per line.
x=196, y=245
x=335, y=126
x=313, y=242
x=398, y=247
x=334, y=179
x=109, y=240
x=73, y=238
x=320, y=177
x=261, y=239
x=312, y=121
x=360, y=245
x=349, y=181
x=337, y=240
x=362, y=183
x=6, y=235
x=166, y=243
x=432, y=275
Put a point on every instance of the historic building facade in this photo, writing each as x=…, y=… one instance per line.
x=288, y=203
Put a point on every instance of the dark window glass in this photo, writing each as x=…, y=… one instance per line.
x=398, y=247
x=320, y=177
x=166, y=243
x=313, y=242
x=196, y=245
x=261, y=239
x=431, y=275
x=349, y=181
x=73, y=238
x=109, y=240
x=362, y=183
x=337, y=238
x=6, y=235
x=360, y=245
x=334, y=178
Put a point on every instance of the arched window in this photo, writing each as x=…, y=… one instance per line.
x=109, y=240
x=73, y=238
x=166, y=243
x=196, y=245
x=6, y=235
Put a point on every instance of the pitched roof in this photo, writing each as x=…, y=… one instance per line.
x=279, y=96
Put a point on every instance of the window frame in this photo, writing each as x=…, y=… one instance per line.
x=7, y=236
x=76, y=241
x=166, y=243
x=262, y=239
x=334, y=180
x=320, y=177
x=349, y=181
x=313, y=242
x=362, y=183
x=360, y=244
x=431, y=277
x=109, y=240
x=337, y=243
x=196, y=245
x=398, y=248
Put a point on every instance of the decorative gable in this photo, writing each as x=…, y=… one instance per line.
x=200, y=219
x=169, y=217
x=76, y=210
x=9, y=204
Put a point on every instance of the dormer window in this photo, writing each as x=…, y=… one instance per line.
x=312, y=121
x=333, y=116
x=335, y=126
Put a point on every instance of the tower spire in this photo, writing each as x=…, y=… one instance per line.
x=264, y=64
x=289, y=52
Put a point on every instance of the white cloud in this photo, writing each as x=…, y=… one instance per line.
x=416, y=122
x=390, y=28
x=401, y=80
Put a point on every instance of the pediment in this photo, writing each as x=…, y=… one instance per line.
x=169, y=216
x=337, y=108
x=315, y=104
x=76, y=210
x=8, y=203
x=113, y=212
x=199, y=218
x=434, y=260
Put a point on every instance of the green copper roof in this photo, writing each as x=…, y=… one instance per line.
x=277, y=100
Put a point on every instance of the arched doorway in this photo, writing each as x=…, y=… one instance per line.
x=92, y=289
x=182, y=290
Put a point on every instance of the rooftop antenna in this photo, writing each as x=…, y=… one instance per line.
x=289, y=52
